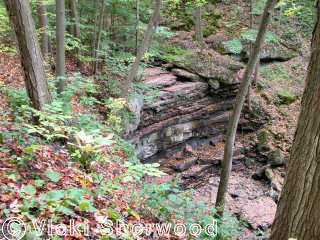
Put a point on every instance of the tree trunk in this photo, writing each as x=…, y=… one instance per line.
x=30, y=54
x=233, y=123
x=97, y=47
x=94, y=30
x=43, y=20
x=298, y=210
x=251, y=50
x=75, y=16
x=198, y=25
x=152, y=25
x=256, y=74
x=137, y=24
x=61, y=54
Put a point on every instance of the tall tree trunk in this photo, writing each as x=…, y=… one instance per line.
x=151, y=26
x=61, y=53
x=137, y=23
x=233, y=123
x=75, y=16
x=198, y=25
x=97, y=47
x=30, y=54
x=94, y=29
x=298, y=210
x=251, y=50
x=256, y=74
x=43, y=20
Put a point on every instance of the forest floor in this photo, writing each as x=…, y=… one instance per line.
x=251, y=201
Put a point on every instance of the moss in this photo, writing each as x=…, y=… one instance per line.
x=214, y=84
x=266, y=97
x=285, y=97
x=209, y=31
x=264, y=137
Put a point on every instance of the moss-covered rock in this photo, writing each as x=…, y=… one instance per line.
x=285, y=97
x=214, y=84
x=266, y=97
x=270, y=51
x=208, y=64
x=264, y=138
x=208, y=31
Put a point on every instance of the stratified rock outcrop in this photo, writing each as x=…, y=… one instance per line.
x=187, y=111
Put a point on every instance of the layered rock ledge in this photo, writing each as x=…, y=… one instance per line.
x=190, y=110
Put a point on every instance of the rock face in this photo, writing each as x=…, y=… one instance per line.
x=188, y=110
x=206, y=63
x=270, y=52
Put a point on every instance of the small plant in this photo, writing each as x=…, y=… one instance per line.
x=88, y=147
x=234, y=46
x=168, y=203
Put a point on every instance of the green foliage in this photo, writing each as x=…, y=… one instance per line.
x=307, y=16
x=174, y=54
x=136, y=171
x=251, y=35
x=5, y=29
x=234, y=46
x=54, y=123
x=53, y=176
x=258, y=6
x=168, y=202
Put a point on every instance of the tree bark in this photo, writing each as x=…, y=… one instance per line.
x=251, y=50
x=137, y=24
x=198, y=25
x=30, y=54
x=298, y=210
x=61, y=54
x=240, y=99
x=97, y=46
x=75, y=16
x=43, y=20
x=94, y=30
x=151, y=26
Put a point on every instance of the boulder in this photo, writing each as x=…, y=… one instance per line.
x=285, y=97
x=264, y=138
x=214, y=84
x=208, y=64
x=277, y=158
x=270, y=51
x=135, y=106
x=181, y=73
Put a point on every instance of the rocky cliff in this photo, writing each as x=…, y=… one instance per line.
x=189, y=110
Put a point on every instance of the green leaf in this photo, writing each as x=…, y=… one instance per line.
x=53, y=176
x=54, y=195
x=39, y=182
x=32, y=148
x=75, y=194
x=13, y=176
x=114, y=214
x=86, y=205
x=65, y=210
x=29, y=190
x=234, y=46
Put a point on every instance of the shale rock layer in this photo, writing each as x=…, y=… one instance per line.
x=188, y=111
